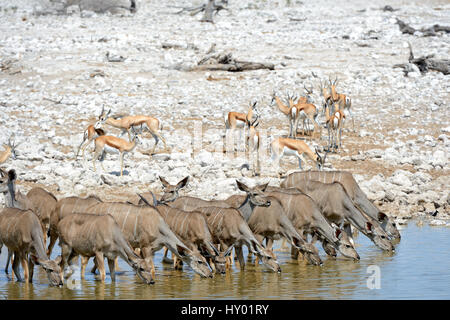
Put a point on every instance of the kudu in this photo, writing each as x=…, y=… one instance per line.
x=338, y=208
x=271, y=223
x=98, y=236
x=353, y=190
x=65, y=207
x=226, y=224
x=21, y=232
x=307, y=219
x=145, y=229
x=190, y=227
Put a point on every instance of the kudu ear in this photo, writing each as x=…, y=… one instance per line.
x=58, y=260
x=242, y=186
x=182, y=251
x=214, y=248
x=228, y=252
x=263, y=187
x=12, y=175
x=369, y=226
x=382, y=216
x=338, y=233
x=164, y=182
x=182, y=183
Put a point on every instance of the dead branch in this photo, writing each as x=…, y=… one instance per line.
x=425, y=63
x=209, y=9
x=226, y=62
x=427, y=32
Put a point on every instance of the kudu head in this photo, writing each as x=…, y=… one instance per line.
x=52, y=268
x=389, y=226
x=256, y=194
x=378, y=235
x=143, y=270
x=268, y=259
x=320, y=161
x=195, y=260
x=309, y=251
x=171, y=191
x=221, y=259
x=343, y=243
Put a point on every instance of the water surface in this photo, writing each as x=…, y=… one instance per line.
x=419, y=269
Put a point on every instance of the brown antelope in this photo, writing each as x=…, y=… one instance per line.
x=291, y=111
x=92, y=132
x=307, y=219
x=145, y=229
x=338, y=208
x=272, y=223
x=253, y=146
x=9, y=151
x=307, y=111
x=98, y=236
x=254, y=198
x=21, y=232
x=110, y=144
x=126, y=123
x=291, y=147
x=63, y=208
x=343, y=102
x=240, y=121
x=353, y=190
x=334, y=123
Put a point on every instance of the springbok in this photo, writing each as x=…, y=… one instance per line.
x=110, y=144
x=353, y=190
x=307, y=218
x=308, y=112
x=21, y=232
x=92, y=132
x=343, y=102
x=291, y=111
x=98, y=236
x=9, y=151
x=240, y=121
x=291, y=147
x=127, y=123
x=338, y=208
x=334, y=122
x=253, y=146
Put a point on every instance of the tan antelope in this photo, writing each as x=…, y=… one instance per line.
x=334, y=122
x=240, y=121
x=292, y=111
x=307, y=219
x=63, y=208
x=21, y=232
x=353, y=190
x=253, y=146
x=308, y=112
x=127, y=123
x=272, y=223
x=291, y=147
x=98, y=236
x=343, y=102
x=338, y=208
x=245, y=207
x=92, y=132
x=145, y=229
x=110, y=144
x=9, y=151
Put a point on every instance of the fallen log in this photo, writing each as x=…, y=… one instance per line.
x=226, y=62
x=209, y=9
x=425, y=63
x=427, y=32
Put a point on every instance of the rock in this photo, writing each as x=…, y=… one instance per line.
x=439, y=159
x=437, y=222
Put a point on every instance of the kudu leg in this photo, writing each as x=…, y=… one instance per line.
x=24, y=263
x=101, y=265
x=53, y=238
x=15, y=267
x=147, y=254
x=112, y=269
x=240, y=256
x=84, y=262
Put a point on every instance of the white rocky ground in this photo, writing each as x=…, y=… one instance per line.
x=399, y=153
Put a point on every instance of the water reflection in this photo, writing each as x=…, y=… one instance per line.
x=408, y=273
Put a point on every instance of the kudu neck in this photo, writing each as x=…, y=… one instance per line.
x=246, y=208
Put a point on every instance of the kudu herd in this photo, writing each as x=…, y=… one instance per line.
x=308, y=206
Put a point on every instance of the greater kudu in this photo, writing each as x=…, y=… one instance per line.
x=337, y=207
x=21, y=232
x=307, y=218
x=353, y=190
x=98, y=236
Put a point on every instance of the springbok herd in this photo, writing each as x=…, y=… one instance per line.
x=307, y=207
